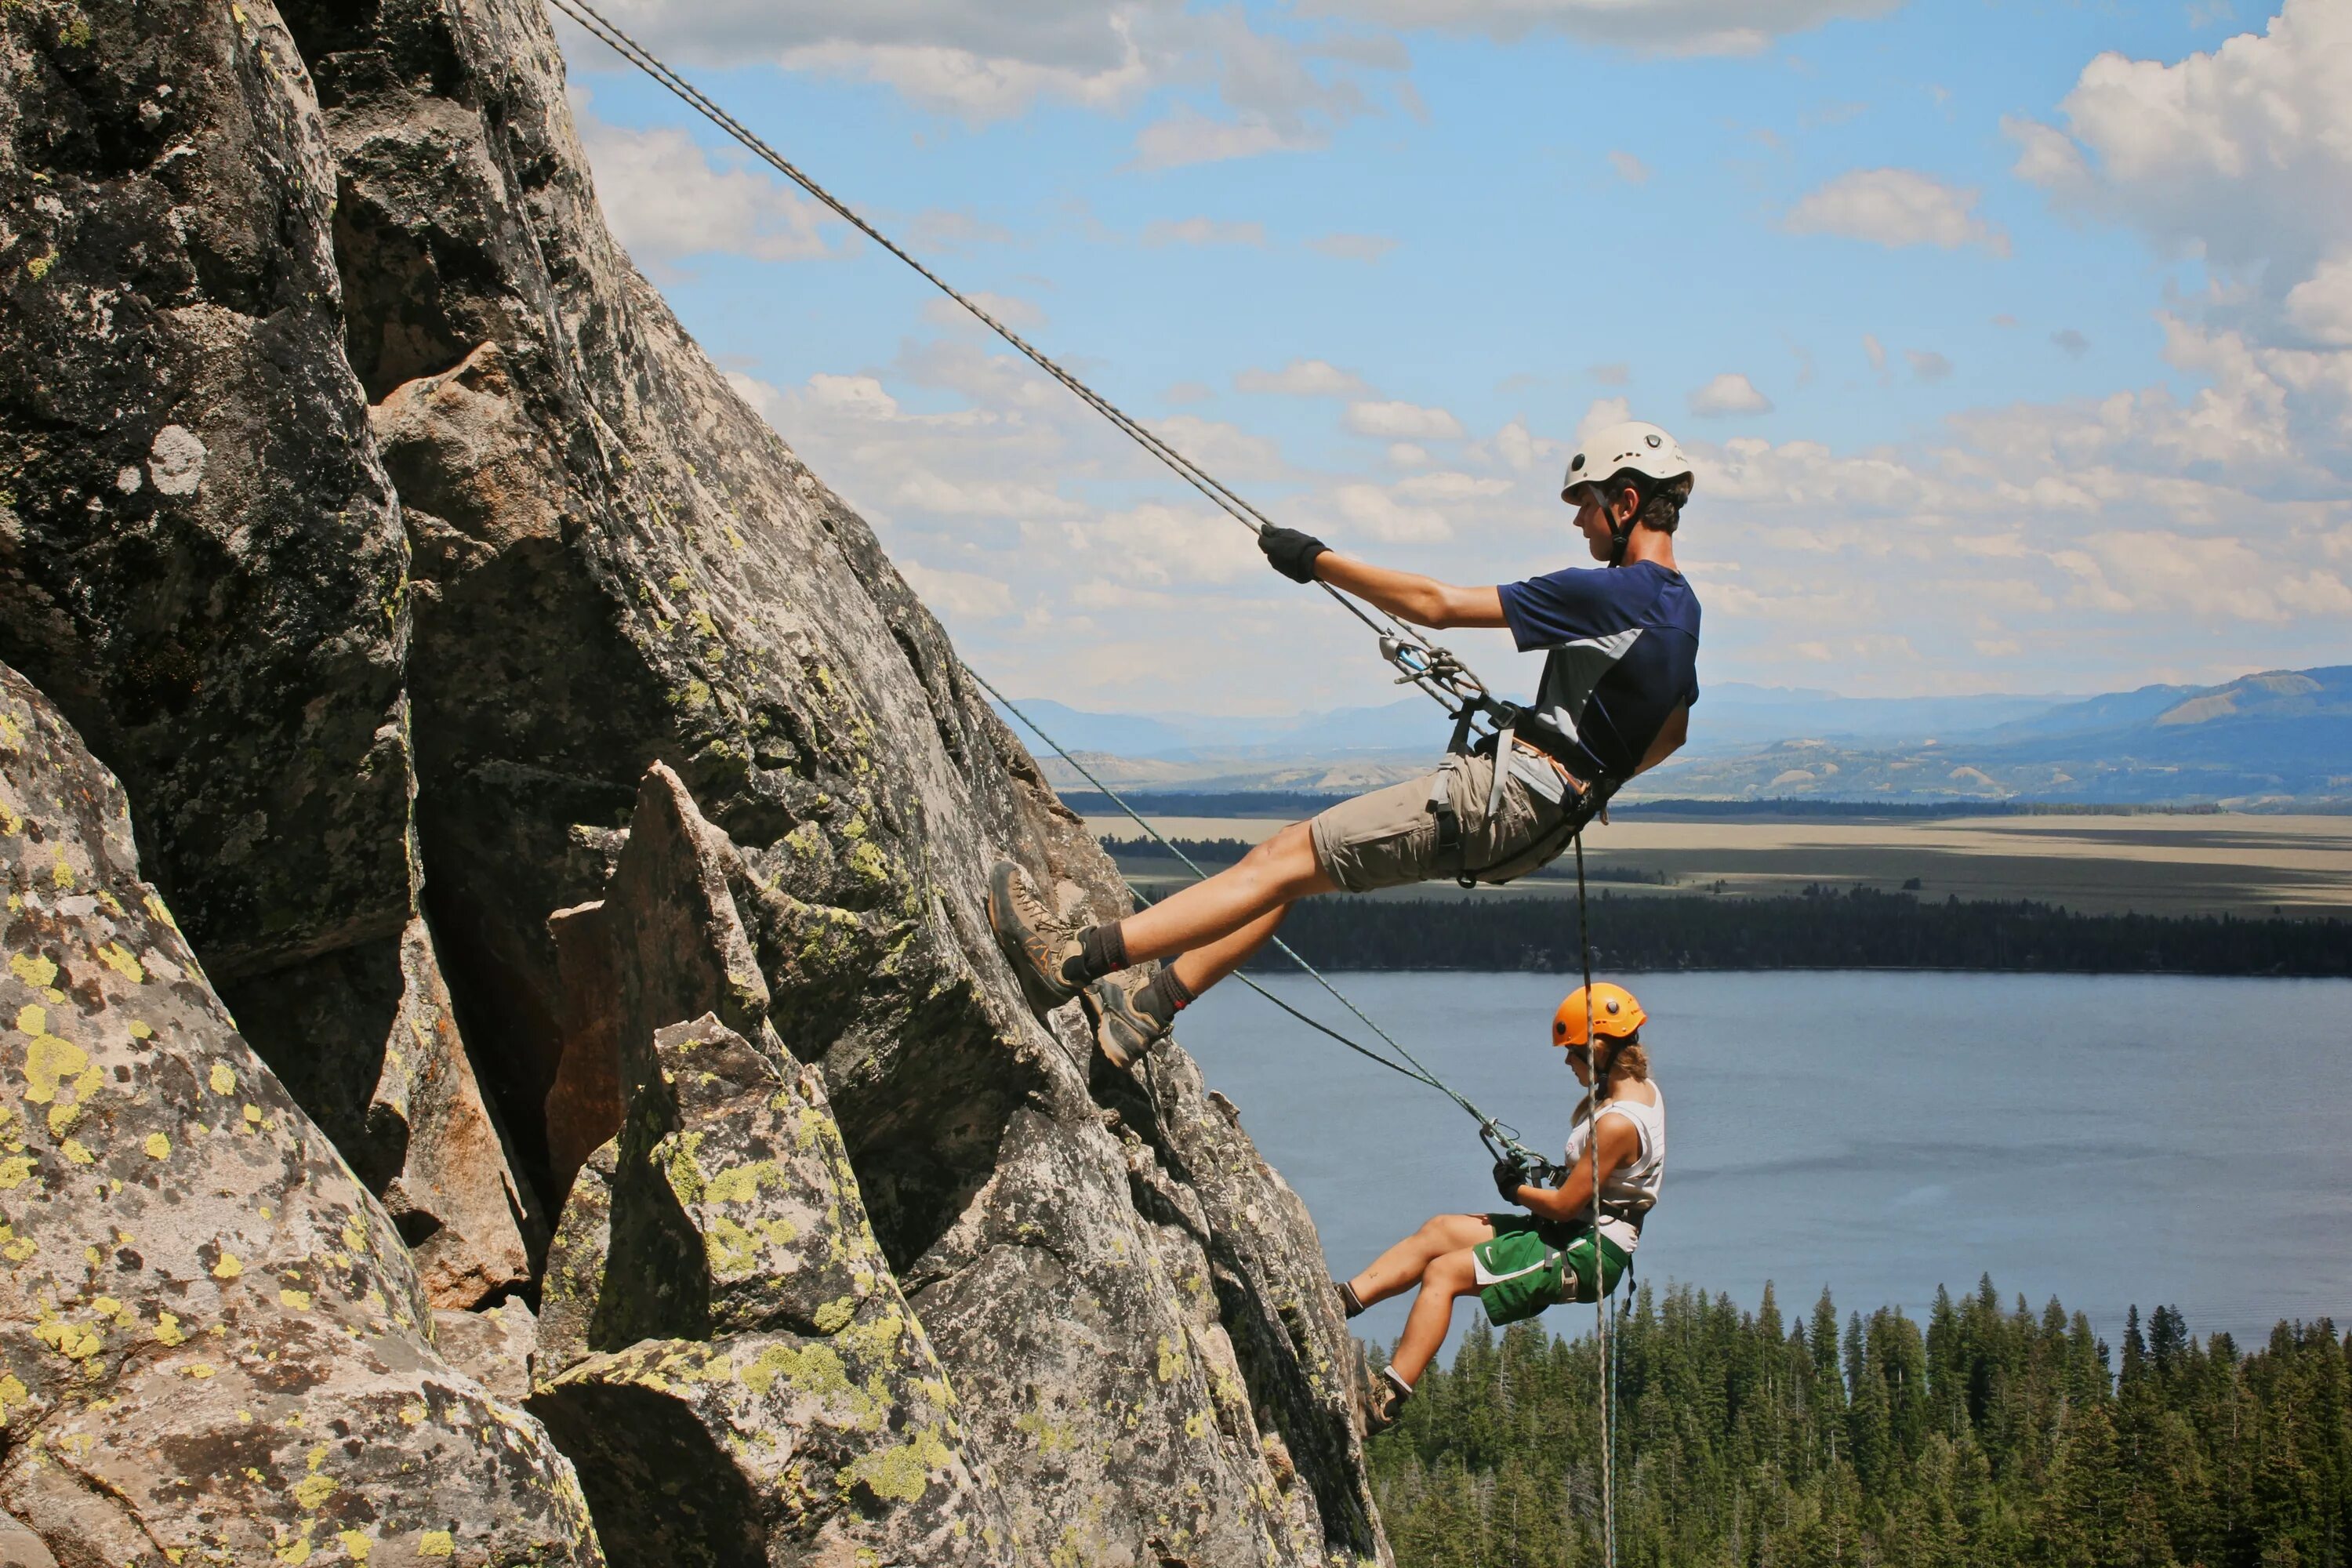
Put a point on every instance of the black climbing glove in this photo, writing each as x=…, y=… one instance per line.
x=1292, y=553
x=1509, y=1177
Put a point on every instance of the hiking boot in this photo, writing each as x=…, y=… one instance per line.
x=1035, y=940
x=1384, y=1402
x=1122, y=1028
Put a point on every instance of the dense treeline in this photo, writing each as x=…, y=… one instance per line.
x=1994, y=1437
x=1145, y=858
x=1820, y=929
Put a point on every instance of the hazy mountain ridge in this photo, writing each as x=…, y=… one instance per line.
x=2273, y=738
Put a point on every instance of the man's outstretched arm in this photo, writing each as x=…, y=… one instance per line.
x=1409, y=595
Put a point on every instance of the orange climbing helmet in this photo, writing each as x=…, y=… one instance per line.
x=1615, y=1014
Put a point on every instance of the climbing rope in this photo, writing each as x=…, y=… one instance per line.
x=1600, y=1272
x=1427, y=668
x=1498, y=1135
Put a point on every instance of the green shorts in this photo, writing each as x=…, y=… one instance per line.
x=1532, y=1264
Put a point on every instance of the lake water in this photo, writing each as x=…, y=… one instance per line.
x=2107, y=1140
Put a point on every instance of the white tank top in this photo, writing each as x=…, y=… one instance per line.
x=1633, y=1188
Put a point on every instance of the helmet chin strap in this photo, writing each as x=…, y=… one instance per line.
x=1620, y=534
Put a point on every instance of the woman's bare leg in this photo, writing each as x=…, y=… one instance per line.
x=1404, y=1265
x=1265, y=881
x=1445, y=1281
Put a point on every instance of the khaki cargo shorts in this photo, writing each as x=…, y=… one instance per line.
x=1389, y=838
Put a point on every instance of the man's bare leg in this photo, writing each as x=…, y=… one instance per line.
x=1205, y=966
x=1402, y=1267
x=1265, y=881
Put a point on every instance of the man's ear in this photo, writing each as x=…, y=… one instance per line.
x=1629, y=504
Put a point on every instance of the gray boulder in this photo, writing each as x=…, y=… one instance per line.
x=201, y=564
x=213, y=1345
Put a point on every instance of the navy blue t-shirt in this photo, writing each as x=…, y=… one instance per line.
x=1623, y=645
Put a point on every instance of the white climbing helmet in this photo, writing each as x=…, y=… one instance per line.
x=1644, y=448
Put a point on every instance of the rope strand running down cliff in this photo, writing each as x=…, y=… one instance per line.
x=1192, y=473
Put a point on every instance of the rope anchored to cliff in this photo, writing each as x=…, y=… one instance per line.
x=1428, y=669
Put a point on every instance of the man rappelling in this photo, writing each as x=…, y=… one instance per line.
x=1518, y=1264
x=1619, y=676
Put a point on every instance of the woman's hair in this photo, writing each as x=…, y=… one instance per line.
x=1625, y=1056
x=1661, y=499
x=1630, y=1058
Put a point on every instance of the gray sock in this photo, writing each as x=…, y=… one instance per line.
x=1102, y=950
x=1165, y=997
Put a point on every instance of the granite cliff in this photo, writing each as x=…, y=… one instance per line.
x=544, y=804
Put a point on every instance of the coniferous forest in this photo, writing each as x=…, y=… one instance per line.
x=1994, y=1437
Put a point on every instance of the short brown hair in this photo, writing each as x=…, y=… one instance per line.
x=1661, y=499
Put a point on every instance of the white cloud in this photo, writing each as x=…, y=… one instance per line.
x=1617, y=373
x=2238, y=155
x=2321, y=305
x=1302, y=378
x=958, y=595
x=1896, y=208
x=1374, y=512
x=1226, y=450
x=1202, y=231
x=668, y=200
x=1630, y=169
x=1401, y=421
x=2230, y=155
x=1927, y=364
x=861, y=394
x=1729, y=392
x=986, y=60
x=1353, y=247
x=1661, y=27
x=1188, y=136
x=2070, y=342
x=1876, y=351
x=1020, y=314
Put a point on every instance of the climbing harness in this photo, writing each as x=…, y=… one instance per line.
x=1480, y=719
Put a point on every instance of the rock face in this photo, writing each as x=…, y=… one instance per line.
x=201, y=562
x=216, y=1348
x=664, y=848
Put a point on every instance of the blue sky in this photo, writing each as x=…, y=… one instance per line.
x=2014, y=341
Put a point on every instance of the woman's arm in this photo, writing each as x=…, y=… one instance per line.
x=1409, y=595
x=1621, y=1145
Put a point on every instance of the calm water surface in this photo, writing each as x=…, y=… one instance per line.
x=2107, y=1140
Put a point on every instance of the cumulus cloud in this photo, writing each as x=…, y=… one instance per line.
x=1663, y=27
x=1020, y=315
x=1896, y=208
x=2236, y=155
x=1616, y=373
x=1927, y=364
x=1163, y=232
x=1630, y=169
x=669, y=200
x=1401, y=421
x=1302, y=378
x=2070, y=342
x=1353, y=247
x=1727, y=393
x=987, y=61
x=959, y=595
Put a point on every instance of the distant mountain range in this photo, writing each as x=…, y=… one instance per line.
x=2273, y=740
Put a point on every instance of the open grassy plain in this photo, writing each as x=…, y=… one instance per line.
x=2141, y=864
